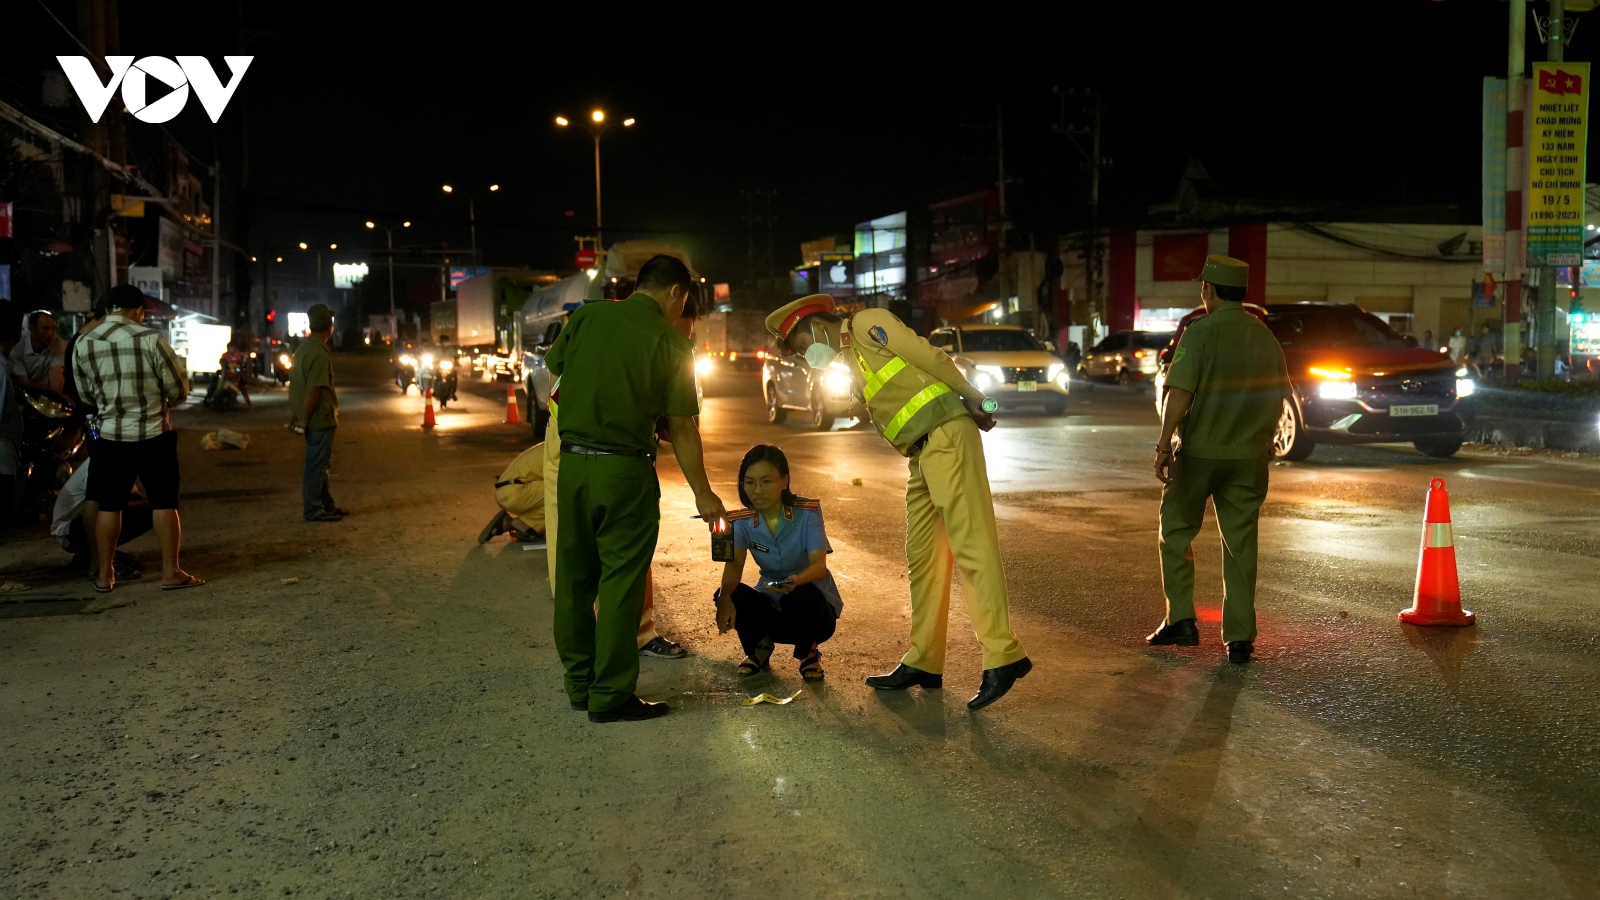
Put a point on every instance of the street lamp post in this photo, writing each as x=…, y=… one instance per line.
x=388, y=234
x=597, y=125
x=472, y=215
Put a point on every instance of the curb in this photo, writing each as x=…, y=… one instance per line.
x=1540, y=434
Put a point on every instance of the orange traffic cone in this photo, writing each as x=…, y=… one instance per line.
x=1438, y=594
x=513, y=417
x=428, y=421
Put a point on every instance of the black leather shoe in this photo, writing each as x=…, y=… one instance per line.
x=997, y=681
x=1182, y=632
x=632, y=710
x=903, y=677
x=1239, y=651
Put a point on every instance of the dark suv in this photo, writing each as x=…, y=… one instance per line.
x=1358, y=382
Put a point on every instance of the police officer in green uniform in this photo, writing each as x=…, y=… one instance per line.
x=1225, y=392
x=622, y=365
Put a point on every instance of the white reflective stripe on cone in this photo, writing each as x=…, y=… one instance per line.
x=1437, y=534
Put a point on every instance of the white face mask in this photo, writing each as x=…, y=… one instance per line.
x=820, y=355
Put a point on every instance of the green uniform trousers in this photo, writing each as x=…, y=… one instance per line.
x=610, y=518
x=1237, y=487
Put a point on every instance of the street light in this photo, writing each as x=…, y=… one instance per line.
x=597, y=126
x=388, y=233
x=472, y=215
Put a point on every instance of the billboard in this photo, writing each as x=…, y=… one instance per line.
x=146, y=279
x=459, y=274
x=1494, y=174
x=834, y=276
x=880, y=257
x=348, y=275
x=1557, y=140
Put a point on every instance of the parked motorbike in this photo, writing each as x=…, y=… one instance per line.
x=52, y=447
x=281, y=366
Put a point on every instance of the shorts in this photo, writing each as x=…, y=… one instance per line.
x=118, y=463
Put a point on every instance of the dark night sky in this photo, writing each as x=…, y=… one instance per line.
x=359, y=109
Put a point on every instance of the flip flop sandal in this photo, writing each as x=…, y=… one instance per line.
x=189, y=582
x=748, y=668
x=101, y=590
x=811, y=667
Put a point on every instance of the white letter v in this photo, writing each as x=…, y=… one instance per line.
x=214, y=96
x=94, y=95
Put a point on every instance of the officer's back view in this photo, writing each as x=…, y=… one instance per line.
x=1225, y=393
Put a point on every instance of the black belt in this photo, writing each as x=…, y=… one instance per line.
x=501, y=484
x=917, y=445
x=581, y=450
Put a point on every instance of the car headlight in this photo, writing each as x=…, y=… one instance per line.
x=987, y=377
x=407, y=359
x=285, y=361
x=446, y=365
x=427, y=360
x=702, y=365
x=1056, y=373
x=1466, y=387
x=1337, y=390
x=836, y=381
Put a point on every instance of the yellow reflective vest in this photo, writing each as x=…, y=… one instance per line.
x=904, y=401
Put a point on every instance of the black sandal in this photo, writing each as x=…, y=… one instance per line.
x=753, y=665
x=811, y=666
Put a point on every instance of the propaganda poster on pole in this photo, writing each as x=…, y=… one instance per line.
x=1558, y=135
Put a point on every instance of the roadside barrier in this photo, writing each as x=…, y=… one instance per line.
x=513, y=417
x=1437, y=599
x=428, y=421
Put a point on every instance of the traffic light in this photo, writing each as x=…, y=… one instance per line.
x=272, y=316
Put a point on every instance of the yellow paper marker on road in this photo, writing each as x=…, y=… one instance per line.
x=768, y=698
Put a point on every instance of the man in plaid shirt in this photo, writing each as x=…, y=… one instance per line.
x=130, y=378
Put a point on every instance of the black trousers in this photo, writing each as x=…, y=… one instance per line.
x=805, y=619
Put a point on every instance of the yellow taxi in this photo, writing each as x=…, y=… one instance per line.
x=1008, y=364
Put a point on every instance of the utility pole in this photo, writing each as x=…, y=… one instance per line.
x=1516, y=256
x=1093, y=163
x=1000, y=165
x=758, y=268
x=216, y=239
x=599, y=221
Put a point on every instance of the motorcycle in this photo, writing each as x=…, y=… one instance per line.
x=225, y=391
x=52, y=447
x=282, y=366
x=426, y=371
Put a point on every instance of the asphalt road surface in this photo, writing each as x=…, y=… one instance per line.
x=373, y=708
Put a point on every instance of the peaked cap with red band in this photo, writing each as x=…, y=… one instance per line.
x=784, y=318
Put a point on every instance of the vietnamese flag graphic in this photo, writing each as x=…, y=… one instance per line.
x=1560, y=82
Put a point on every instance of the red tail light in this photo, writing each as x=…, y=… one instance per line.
x=1140, y=354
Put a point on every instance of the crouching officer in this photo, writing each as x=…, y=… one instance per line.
x=621, y=365
x=1225, y=393
x=923, y=407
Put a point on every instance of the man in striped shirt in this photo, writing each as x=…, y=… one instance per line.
x=130, y=378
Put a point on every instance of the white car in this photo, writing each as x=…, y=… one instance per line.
x=1008, y=364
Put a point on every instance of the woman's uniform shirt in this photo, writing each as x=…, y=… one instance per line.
x=800, y=532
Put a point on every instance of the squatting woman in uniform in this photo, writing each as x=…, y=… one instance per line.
x=795, y=600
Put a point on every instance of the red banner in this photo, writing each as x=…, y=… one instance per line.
x=5, y=219
x=1178, y=257
x=1560, y=82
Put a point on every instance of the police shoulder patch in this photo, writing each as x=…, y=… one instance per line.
x=736, y=514
x=879, y=335
x=807, y=503
x=1177, y=355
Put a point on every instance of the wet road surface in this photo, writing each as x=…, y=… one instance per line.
x=392, y=724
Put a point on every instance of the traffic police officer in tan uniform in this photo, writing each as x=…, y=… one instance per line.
x=923, y=407
x=1225, y=392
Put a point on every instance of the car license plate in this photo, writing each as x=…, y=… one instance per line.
x=1430, y=409
x=1026, y=386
